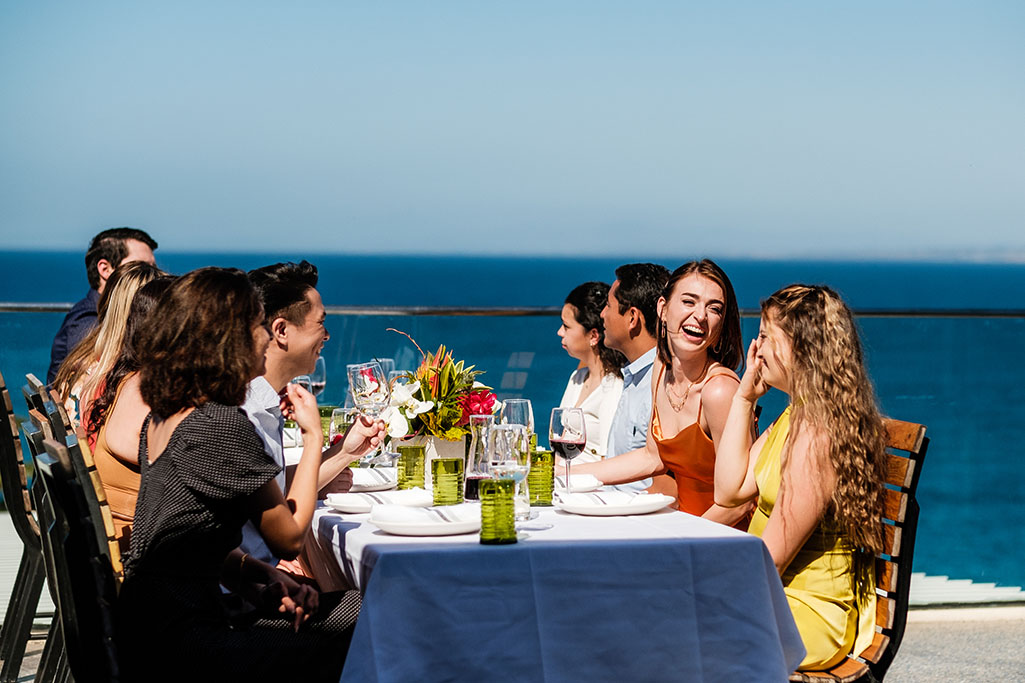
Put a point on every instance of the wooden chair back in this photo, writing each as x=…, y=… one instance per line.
x=85, y=468
x=13, y=474
x=906, y=448
x=79, y=565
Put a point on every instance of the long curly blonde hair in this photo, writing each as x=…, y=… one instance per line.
x=830, y=390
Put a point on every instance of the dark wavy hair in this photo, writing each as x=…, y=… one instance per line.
x=588, y=300
x=200, y=348
x=639, y=287
x=728, y=347
x=283, y=288
x=128, y=361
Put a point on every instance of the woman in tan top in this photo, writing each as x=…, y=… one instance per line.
x=116, y=416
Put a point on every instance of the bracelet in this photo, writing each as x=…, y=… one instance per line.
x=242, y=563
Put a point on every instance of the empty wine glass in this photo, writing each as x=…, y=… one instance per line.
x=291, y=428
x=510, y=459
x=318, y=378
x=369, y=387
x=387, y=364
x=567, y=436
x=518, y=411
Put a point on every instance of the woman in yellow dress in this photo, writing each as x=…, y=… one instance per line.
x=817, y=473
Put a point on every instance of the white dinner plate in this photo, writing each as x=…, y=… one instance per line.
x=640, y=504
x=428, y=529
x=582, y=483
x=363, y=501
x=373, y=479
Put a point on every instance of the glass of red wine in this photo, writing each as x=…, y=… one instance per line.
x=567, y=436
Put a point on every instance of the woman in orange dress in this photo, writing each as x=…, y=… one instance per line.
x=693, y=383
x=116, y=415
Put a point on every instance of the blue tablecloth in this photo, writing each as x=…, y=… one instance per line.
x=705, y=608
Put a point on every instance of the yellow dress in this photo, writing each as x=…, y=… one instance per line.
x=817, y=583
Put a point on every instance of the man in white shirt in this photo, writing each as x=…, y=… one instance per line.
x=630, y=327
x=295, y=317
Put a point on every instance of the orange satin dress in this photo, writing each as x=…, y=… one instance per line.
x=690, y=458
x=120, y=481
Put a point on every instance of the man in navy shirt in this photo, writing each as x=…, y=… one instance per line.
x=107, y=251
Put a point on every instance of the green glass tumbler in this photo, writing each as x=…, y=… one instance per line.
x=497, y=523
x=411, y=467
x=447, y=476
x=541, y=479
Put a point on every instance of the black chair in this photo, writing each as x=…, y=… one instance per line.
x=893, y=566
x=79, y=565
x=28, y=584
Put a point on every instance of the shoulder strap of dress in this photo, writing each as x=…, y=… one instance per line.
x=714, y=372
x=654, y=398
x=144, y=445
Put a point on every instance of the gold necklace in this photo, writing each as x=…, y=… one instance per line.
x=683, y=401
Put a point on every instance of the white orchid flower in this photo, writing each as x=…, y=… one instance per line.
x=403, y=393
x=398, y=425
x=413, y=407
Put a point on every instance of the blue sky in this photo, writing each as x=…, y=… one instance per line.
x=745, y=128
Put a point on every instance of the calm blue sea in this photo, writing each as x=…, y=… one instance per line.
x=959, y=376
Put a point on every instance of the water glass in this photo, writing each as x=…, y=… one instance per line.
x=497, y=522
x=411, y=467
x=325, y=422
x=541, y=479
x=510, y=459
x=447, y=476
x=341, y=420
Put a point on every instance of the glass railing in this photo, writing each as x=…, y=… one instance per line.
x=955, y=371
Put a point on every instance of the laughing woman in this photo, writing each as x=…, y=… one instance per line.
x=817, y=473
x=693, y=383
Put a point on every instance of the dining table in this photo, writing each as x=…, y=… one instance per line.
x=660, y=596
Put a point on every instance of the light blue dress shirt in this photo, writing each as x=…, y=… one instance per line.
x=263, y=407
x=630, y=424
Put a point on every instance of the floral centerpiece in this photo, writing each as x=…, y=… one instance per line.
x=438, y=398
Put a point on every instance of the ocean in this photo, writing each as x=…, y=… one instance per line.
x=957, y=374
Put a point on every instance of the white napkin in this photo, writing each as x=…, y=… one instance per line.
x=597, y=498
x=373, y=478
x=363, y=502
x=579, y=481
x=445, y=514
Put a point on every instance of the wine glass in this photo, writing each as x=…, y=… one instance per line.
x=295, y=432
x=510, y=459
x=567, y=436
x=387, y=364
x=397, y=377
x=341, y=420
x=369, y=387
x=518, y=411
x=318, y=378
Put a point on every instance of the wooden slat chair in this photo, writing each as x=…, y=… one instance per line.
x=33, y=395
x=906, y=444
x=84, y=580
x=28, y=584
x=85, y=469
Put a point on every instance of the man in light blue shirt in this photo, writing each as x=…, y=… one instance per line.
x=295, y=318
x=630, y=319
